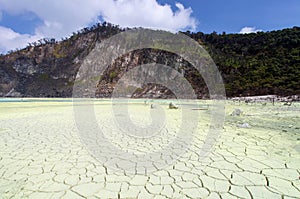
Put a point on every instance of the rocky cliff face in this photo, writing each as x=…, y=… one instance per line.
x=47, y=70
x=122, y=65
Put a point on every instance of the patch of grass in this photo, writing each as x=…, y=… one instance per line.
x=57, y=52
x=44, y=77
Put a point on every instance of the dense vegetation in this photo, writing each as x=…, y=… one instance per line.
x=251, y=64
x=256, y=63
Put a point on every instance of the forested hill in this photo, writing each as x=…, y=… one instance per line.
x=251, y=64
x=256, y=63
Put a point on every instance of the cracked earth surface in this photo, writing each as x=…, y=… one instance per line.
x=42, y=156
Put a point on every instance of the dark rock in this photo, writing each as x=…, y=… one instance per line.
x=172, y=106
x=237, y=112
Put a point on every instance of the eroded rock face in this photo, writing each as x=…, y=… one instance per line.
x=26, y=66
x=50, y=71
x=179, y=68
x=13, y=93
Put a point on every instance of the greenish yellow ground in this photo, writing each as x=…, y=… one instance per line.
x=42, y=155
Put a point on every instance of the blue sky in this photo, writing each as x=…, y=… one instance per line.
x=29, y=20
x=232, y=15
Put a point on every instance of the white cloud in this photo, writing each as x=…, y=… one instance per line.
x=10, y=40
x=150, y=14
x=247, y=30
x=62, y=17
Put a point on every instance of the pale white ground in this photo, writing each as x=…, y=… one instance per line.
x=42, y=155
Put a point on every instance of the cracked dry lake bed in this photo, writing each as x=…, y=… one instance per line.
x=257, y=155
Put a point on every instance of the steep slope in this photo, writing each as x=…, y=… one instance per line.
x=251, y=64
x=258, y=63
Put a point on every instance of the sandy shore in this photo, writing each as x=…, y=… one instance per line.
x=43, y=156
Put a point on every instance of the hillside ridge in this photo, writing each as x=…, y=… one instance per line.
x=263, y=63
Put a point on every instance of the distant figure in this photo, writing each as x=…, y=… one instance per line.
x=172, y=106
